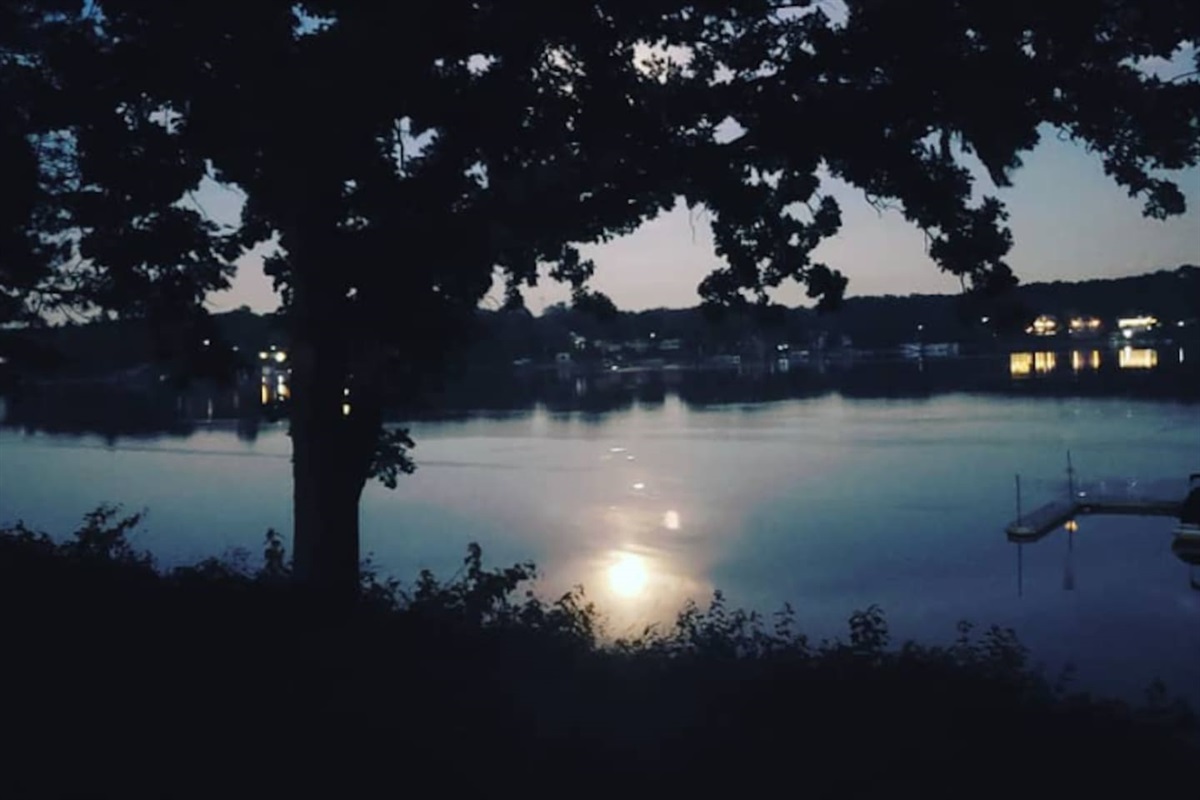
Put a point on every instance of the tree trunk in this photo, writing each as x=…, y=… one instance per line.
x=327, y=476
x=332, y=443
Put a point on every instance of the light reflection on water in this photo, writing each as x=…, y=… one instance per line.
x=638, y=566
x=1024, y=364
x=1137, y=358
x=829, y=504
x=1081, y=360
x=627, y=574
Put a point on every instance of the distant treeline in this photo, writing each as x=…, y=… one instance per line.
x=502, y=337
x=869, y=322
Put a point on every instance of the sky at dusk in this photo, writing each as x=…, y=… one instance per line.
x=1069, y=222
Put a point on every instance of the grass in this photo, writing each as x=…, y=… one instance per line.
x=222, y=680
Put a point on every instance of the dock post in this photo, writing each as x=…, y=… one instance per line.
x=1018, y=477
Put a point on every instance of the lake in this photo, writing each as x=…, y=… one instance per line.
x=829, y=502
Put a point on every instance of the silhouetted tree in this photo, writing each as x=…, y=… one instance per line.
x=401, y=154
x=29, y=253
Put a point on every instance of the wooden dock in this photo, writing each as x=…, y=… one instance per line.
x=1044, y=519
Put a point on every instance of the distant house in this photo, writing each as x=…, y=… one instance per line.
x=1043, y=325
x=1084, y=326
x=1133, y=325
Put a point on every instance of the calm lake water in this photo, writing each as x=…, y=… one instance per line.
x=827, y=503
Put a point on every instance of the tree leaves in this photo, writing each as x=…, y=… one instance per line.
x=578, y=142
x=390, y=459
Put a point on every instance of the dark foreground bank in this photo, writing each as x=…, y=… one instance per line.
x=220, y=681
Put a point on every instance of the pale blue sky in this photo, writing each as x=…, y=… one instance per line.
x=1069, y=221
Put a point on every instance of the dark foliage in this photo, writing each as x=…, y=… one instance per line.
x=224, y=679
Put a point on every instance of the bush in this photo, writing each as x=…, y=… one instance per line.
x=225, y=669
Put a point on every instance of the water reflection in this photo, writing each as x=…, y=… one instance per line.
x=1185, y=547
x=1023, y=364
x=275, y=377
x=627, y=574
x=630, y=554
x=1081, y=361
x=1094, y=370
x=1126, y=371
x=636, y=585
x=247, y=429
x=1070, y=526
x=1137, y=358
